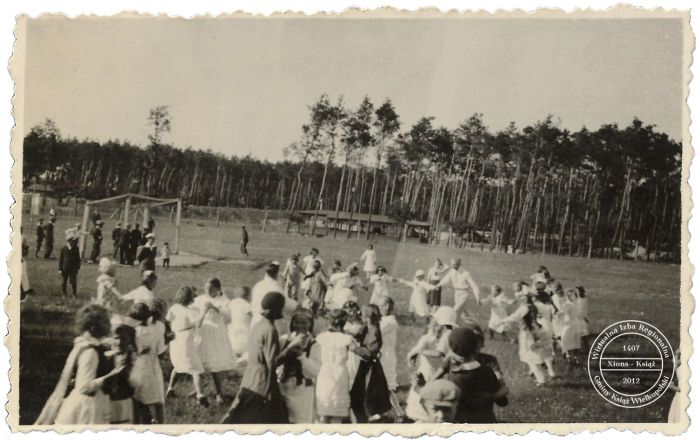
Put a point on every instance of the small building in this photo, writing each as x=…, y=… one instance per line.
x=358, y=222
x=38, y=195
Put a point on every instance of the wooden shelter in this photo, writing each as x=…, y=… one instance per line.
x=358, y=222
x=129, y=199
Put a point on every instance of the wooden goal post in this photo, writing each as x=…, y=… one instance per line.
x=127, y=199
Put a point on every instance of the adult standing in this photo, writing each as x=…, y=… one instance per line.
x=96, y=241
x=151, y=224
x=40, y=235
x=69, y=262
x=24, y=286
x=147, y=256
x=244, y=241
x=49, y=238
x=134, y=243
x=95, y=217
x=125, y=245
x=462, y=282
x=435, y=275
x=259, y=400
x=268, y=284
x=116, y=235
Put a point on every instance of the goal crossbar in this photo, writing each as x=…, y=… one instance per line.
x=128, y=198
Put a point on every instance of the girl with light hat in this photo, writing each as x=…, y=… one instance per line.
x=380, y=280
x=418, y=303
x=427, y=355
x=107, y=290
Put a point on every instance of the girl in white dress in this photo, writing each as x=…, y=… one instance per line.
x=333, y=381
x=297, y=376
x=380, y=280
x=184, y=353
x=370, y=259
x=87, y=403
x=418, y=303
x=107, y=290
x=534, y=340
x=584, y=330
x=427, y=356
x=499, y=303
x=389, y=328
x=292, y=276
x=571, y=327
x=149, y=394
x=239, y=327
x=558, y=298
x=214, y=345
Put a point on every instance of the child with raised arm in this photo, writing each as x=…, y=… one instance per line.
x=214, y=346
x=418, y=303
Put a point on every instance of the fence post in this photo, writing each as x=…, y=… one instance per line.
x=177, y=226
x=83, y=229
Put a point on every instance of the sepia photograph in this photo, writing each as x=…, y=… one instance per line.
x=369, y=222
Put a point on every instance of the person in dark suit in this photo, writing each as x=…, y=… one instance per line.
x=40, y=235
x=49, y=238
x=96, y=241
x=125, y=245
x=244, y=241
x=147, y=256
x=151, y=224
x=69, y=262
x=136, y=238
x=116, y=235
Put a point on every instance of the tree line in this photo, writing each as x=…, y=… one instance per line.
x=539, y=188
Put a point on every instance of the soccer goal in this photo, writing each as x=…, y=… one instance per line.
x=132, y=204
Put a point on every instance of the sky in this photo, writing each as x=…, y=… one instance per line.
x=243, y=86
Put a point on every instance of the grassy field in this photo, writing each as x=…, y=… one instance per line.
x=618, y=291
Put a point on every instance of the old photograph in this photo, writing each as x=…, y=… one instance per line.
x=365, y=222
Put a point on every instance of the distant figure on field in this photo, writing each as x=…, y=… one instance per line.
x=151, y=224
x=40, y=235
x=125, y=246
x=49, y=238
x=244, y=241
x=116, y=235
x=370, y=259
x=69, y=262
x=165, y=255
x=24, y=287
x=96, y=241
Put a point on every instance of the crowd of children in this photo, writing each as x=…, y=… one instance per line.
x=347, y=373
